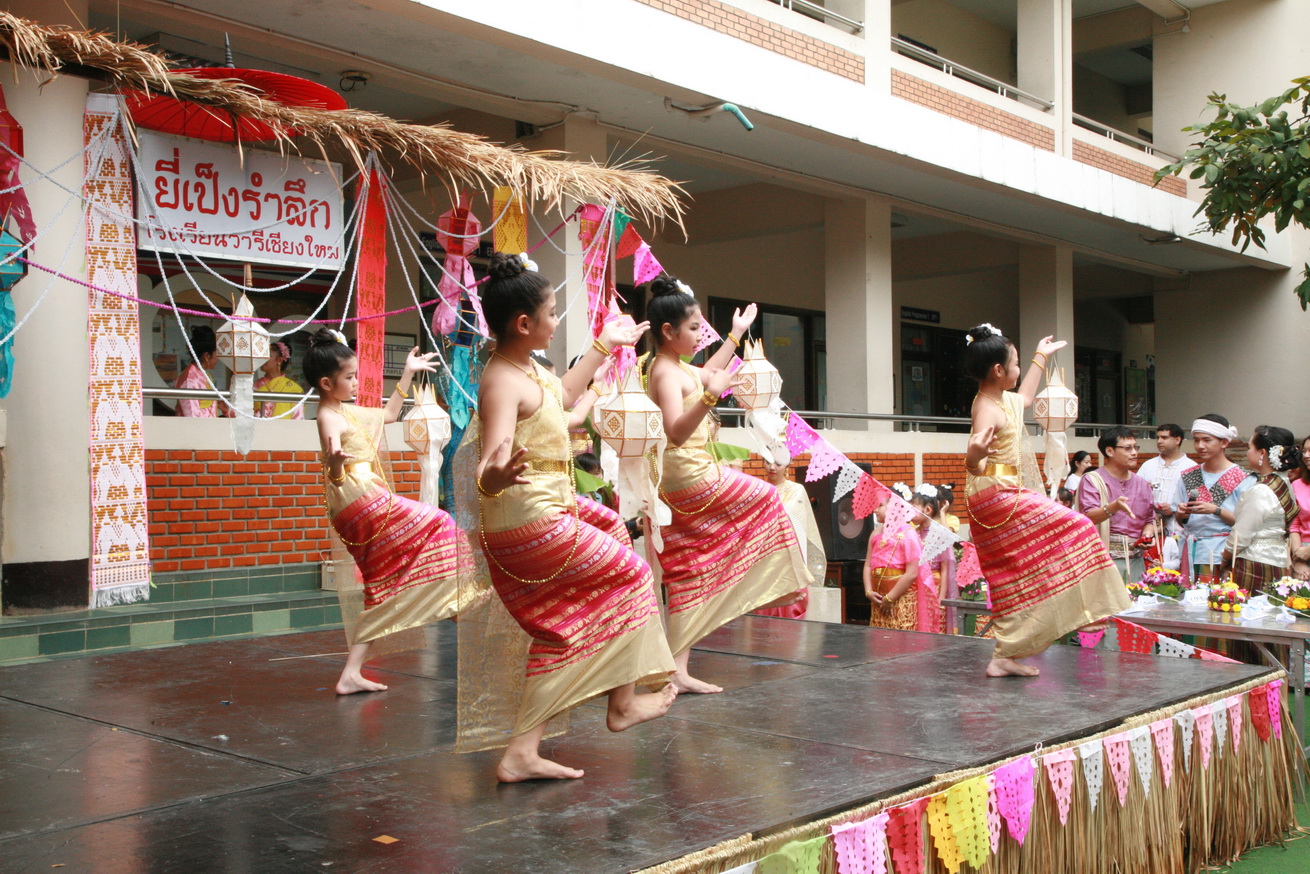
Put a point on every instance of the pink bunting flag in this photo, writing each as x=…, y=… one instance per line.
x=1133, y=637
x=969, y=568
x=1163, y=732
x=898, y=511
x=1059, y=771
x=867, y=496
x=861, y=847
x=800, y=436
x=1259, y=706
x=1090, y=639
x=1215, y=657
x=1234, y=705
x=589, y=226
x=644, y=266
x=1205, y=731
x=1275, y=701
x=708, y=336
x=1014, y=795
x=733, y=366
x=824, y=461
x=905, y=836
x=1120, y=755
x=993, y=814
x=629, y=242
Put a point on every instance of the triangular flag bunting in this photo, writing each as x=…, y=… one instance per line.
x=1059, y=772
x=1093, y=769
x=1163, y=732
x=1186, y=724
x=1014, y=795
x=847, y=478
x=1120, y=757
x=644, y=266
x=629, y=241
x=1139, y=739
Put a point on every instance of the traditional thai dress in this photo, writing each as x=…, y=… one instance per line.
x=892, y=549
x=796, y=501
x=409, y=555
x=194, y=378
x=286, y=385
x=1205, y=536
x=731, y=547
x=1258, y=541
x=565, y=570
x=1048, y=571
x=1301, y=524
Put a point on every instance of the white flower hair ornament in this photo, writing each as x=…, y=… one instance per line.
x=338, y=336
x=528, y=263
x=903, y=490
x=684, y=288
x=928, y=490
x=989, y=330
x=1276, y=456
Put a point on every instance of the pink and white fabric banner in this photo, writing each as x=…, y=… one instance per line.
x=1163, y=732
x=1059, y=772
x=120, y=545
x=1120, y=756
x=1013, y=784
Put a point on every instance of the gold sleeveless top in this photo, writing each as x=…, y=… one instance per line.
x=363, y=472
x=1004, y=468
x=691, y=462
x=549, y=489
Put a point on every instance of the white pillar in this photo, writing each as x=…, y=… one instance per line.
x=47, y=497
x=858, y=301
x=1045, y=302
x=583, y=140
x=1045, y=60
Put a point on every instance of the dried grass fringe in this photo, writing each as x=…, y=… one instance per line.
x=1207, y=816
x=464, y=160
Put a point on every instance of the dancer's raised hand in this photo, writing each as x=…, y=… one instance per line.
x=743, y=319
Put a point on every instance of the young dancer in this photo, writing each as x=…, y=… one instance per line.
x=796, y=501
x=930, y=616
x=891, y=572
x=730, y=548
x=1256, y=548
x=1048, y=570
x=409, y=554
x=563, y=566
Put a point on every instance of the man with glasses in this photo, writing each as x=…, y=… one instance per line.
x=1118, y=500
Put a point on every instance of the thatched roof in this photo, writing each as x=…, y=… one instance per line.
x=462, y=159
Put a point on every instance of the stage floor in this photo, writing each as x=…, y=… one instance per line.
x=221, y=757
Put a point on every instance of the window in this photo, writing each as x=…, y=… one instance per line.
x=795, y=341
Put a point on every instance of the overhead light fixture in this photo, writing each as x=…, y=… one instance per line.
x=704, y=112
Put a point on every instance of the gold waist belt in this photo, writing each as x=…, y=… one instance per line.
x=884, y=578
x=997, y=469
x=547, y=465
x=359, y=468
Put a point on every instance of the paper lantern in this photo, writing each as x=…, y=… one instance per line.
x=242, y=345
x=427, y=431
x=761, y=383
x=1055, y=407
x=631, y=423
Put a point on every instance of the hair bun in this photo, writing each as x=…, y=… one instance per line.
x=982, y=332
x=665, y=284
x=505, y=266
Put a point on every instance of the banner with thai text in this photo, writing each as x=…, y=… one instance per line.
x=371, y=282
x=276, y=209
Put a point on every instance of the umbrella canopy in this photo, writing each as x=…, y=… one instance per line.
x=167, y=114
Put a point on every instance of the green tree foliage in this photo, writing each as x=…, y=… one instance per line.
x=1254, y=161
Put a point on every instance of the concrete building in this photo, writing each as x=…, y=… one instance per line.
x=915, y=167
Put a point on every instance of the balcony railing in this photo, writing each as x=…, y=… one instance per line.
x=825, y=419
x=959, y=71
x=827, y=16
x=1120, y=137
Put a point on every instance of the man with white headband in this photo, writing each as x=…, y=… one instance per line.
x=1207, y=495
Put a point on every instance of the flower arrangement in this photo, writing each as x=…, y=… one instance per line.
x=1292, y=592
x=974, y=591
x=1159, y=580
x=1228, y=598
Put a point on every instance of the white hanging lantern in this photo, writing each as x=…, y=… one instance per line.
x=1055, y=408
x=631, y=422
x=427, y=431
x=242, y=346
x=631, y=425
x=761, y=383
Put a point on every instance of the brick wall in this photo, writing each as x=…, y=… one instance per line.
x=766, y=34
x=975, y=112
x=210, y=509
x=1126, y=167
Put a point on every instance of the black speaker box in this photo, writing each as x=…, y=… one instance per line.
x=845, y=538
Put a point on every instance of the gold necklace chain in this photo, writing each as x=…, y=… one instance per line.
x=519, y=367
x=546, y=389
x=1018, y=492
x=375, y=464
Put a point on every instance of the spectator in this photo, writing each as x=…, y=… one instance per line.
x=1118, y=500
x=1080, y=464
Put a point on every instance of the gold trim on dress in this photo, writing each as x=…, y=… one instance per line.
x=997, y=469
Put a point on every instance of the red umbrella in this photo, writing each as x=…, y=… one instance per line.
x=170, y=115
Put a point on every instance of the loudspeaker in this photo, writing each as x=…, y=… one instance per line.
x=845, y=538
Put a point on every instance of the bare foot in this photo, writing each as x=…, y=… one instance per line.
x=518, y=768
x=640, y=708
x=1010, y=668
x=685, y=682
x=785, y=601
x=349, y=684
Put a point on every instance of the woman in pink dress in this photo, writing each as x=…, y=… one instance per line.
x=205, y=346
x=1298, y=536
